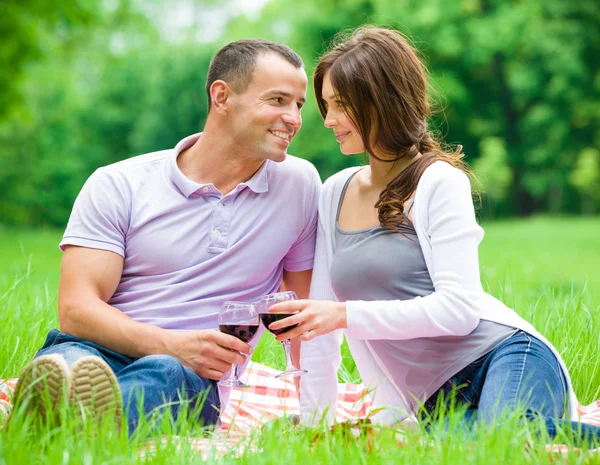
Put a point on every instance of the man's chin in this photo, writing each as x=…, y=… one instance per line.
x=278, y=157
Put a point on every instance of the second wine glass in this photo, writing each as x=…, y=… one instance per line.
x=239, y=319
x=267, y=318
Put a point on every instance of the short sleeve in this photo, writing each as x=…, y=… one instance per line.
x=301, y=255
x=100, y=215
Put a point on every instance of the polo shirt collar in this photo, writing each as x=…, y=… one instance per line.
x=258, y=183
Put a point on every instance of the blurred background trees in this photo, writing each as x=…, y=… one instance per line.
x=86, y=83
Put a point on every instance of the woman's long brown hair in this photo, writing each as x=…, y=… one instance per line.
x=383, y=84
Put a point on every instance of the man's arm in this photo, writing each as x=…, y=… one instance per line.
x=89, y=278
x=299, y=282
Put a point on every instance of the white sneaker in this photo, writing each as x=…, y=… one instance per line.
x=94, y=390
x=41, y=387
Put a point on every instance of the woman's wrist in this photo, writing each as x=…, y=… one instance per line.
x=341, y=311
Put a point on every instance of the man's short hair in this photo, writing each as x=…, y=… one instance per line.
x=235, y=63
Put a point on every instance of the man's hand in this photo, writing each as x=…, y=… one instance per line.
x=209, y=353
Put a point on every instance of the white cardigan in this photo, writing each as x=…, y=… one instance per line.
x=444, y=219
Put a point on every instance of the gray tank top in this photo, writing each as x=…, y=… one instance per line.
x=378, y=264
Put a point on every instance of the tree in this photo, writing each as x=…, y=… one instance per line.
x=492, y=170
x=26, y=26
x=586, y=178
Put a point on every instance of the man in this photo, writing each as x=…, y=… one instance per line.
x=155, y=244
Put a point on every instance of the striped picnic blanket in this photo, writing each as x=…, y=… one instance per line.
x=268, y=398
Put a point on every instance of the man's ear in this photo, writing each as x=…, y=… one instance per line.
x=220, y=94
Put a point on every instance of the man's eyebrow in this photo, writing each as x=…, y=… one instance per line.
x=283, y=94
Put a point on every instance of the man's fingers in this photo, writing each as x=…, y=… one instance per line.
x=227, y=356
x=232, y=343
x=217, y=375
x=219, y=364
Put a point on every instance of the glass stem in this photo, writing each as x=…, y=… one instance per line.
x=288, y=355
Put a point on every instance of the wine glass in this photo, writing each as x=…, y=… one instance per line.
x=239, y=319
x=267, y=318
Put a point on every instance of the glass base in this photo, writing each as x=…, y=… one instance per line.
x=233, y=383
x=291, y=373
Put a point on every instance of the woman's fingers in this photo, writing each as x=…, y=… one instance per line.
x=307, y=335
x=293, y=333
x=293, y=319
x=290, y=306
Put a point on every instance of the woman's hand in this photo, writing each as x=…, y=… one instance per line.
x=314, y=318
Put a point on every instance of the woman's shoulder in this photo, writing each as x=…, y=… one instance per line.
x=338, y=179
x=441, y=174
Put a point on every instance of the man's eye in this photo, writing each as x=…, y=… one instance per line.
x=277, y=99
x=300, y=106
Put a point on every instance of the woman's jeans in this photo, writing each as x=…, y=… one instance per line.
x=519, y=373
x=156, y=383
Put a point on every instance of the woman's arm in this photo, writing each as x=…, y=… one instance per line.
x=451, y=310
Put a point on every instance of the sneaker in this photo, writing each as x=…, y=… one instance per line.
x=94, y=390
x=41, y=387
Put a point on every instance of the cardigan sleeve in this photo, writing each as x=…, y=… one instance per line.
x=452, y=309
x=321, y=357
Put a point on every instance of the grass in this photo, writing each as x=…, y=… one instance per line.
x=545, y=268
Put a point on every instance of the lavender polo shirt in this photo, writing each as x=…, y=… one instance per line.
x=186, y=247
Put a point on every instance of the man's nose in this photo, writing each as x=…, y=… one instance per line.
x=293, y=117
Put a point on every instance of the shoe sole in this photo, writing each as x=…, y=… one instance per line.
x=42, y=385
x=94, y=390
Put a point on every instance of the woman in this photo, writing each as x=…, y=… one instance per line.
x=397, y=267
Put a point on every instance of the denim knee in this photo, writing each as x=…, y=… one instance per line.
x=166, y=366
x=71, y=351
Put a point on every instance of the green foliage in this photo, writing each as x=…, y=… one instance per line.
x=26, y=26
x=492, y=168
x=86, y=84
x=586, y=177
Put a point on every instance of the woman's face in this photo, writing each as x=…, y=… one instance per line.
x=336, y=119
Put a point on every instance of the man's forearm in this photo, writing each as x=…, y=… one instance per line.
x=91, y=319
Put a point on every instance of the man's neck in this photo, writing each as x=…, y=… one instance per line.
x=216, y=160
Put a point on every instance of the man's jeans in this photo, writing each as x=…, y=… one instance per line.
x=520, y=372
x=158, y=382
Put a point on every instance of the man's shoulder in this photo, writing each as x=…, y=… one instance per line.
x=293, y=167
x=139, y=162
x=135, y=168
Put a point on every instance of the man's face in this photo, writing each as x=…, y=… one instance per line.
x=266, y=117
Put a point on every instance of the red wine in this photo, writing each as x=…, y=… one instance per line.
x=243, y=332
x=268, y=318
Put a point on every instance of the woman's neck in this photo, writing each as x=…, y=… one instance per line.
x=381, y=172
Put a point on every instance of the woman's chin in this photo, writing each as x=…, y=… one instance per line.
x=349, y=152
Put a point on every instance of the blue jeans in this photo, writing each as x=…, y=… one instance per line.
x=519, y=373
x=159, y=383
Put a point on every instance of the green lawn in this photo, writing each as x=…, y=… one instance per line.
x=545, y=268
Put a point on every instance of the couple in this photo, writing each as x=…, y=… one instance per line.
x=156, y=243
